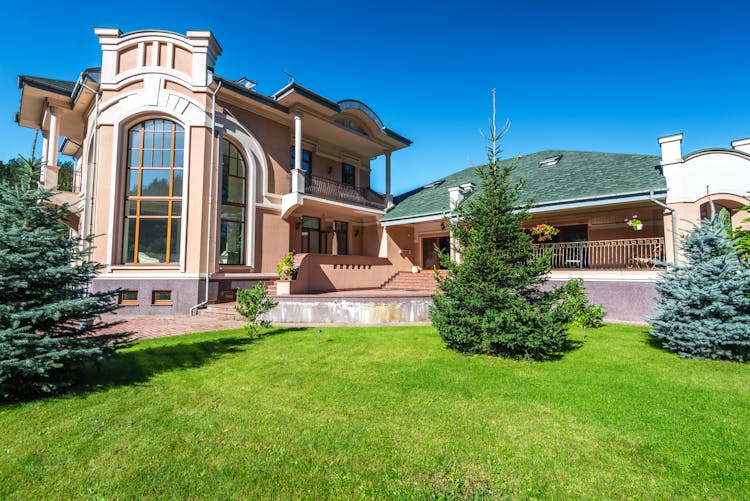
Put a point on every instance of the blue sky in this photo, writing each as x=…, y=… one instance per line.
x=604, y=76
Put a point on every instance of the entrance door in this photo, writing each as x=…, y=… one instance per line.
x=430, y=259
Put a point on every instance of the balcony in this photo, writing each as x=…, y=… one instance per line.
x=331, y=190
x=317, y=190
x=626, y=254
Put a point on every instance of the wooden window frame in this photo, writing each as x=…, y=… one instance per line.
x=242, y=206
x=127, y=302
x=161, y=302
x=171, y=199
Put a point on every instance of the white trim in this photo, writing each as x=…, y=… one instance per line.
x=360, y=208
x=592, y=276
x=416, y=219
x=143, y=276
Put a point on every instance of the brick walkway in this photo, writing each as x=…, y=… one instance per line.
x=146, y=327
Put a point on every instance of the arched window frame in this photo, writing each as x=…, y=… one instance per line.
x=174, y=200
x=233, y=213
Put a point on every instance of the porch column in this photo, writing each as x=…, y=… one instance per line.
x=44, y=156
x=49, y=172
x=335, y=241
x=298, y=175
x=388, y=196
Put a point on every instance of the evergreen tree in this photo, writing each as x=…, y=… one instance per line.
x=493, y=301
x=48, y=317
x=703, y=308
x=741, y=236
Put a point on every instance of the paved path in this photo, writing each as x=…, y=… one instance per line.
x=146, y=327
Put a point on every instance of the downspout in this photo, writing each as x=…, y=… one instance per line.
x=91, y=176
x=210, y=198
x=674, y=224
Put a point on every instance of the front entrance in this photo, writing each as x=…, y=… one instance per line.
x=430, y=258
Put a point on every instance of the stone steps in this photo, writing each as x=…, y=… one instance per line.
x=412, y=281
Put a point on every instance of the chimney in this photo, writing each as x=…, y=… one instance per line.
x=456, y=196
x=670, y=149
x=742, y=145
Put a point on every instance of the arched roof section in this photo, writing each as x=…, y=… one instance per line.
x=363, y=109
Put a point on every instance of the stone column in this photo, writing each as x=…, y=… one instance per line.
x=298, y=175
x=388, y=195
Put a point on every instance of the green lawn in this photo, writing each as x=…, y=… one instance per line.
x=385, y=413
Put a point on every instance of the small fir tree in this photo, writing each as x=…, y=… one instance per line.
x=252, y=304
x=492, y=301
x=48, y=317
x=703, y=306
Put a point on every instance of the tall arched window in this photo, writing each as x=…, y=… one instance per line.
x=233, y=205
x=153, y=193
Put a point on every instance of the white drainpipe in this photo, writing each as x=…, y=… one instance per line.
x=210, y=199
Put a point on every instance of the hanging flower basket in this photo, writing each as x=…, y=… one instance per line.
x=634, y=222
x=544, y=232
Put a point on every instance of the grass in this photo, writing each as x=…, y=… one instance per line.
x=385, y=413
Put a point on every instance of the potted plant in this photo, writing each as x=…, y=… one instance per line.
x=634, y=222
x=544, y=232
x=285, y=269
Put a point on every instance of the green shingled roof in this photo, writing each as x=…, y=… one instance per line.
x=578, y=175
x=63, y=86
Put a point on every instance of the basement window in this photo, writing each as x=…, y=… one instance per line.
x=128, y=298
x=550, y=161
x=161, y=298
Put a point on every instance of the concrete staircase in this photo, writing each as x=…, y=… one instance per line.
x=220, y=310
x=405, y=281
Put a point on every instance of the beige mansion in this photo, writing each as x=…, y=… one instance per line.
x=195, y=185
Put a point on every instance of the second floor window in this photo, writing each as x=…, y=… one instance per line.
x=306, y=160
x=153, y=193
x=347, y=174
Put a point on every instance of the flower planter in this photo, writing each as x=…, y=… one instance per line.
x=638, y=227
x=283, y=287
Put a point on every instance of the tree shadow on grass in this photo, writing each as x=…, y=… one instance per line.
x=653, y=341
x=139, y=366
x=568, y=346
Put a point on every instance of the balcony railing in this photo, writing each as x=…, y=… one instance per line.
x=67, y=179
x=631, y=253
x=331, y=190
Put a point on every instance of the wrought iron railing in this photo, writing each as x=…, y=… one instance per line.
x=332, y=190
x=69, y=180
x=631, y=253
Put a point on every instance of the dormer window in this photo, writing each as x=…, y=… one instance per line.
x=433, y=184
x=550, y=161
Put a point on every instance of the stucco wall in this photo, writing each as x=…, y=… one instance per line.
x=275, y=139
x=323, y=272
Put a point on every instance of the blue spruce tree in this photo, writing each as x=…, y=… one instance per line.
x=703, y=308
x=48, y=317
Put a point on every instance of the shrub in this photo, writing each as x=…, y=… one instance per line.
x=252, y=304
x=285, y=267
x=703, y=307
